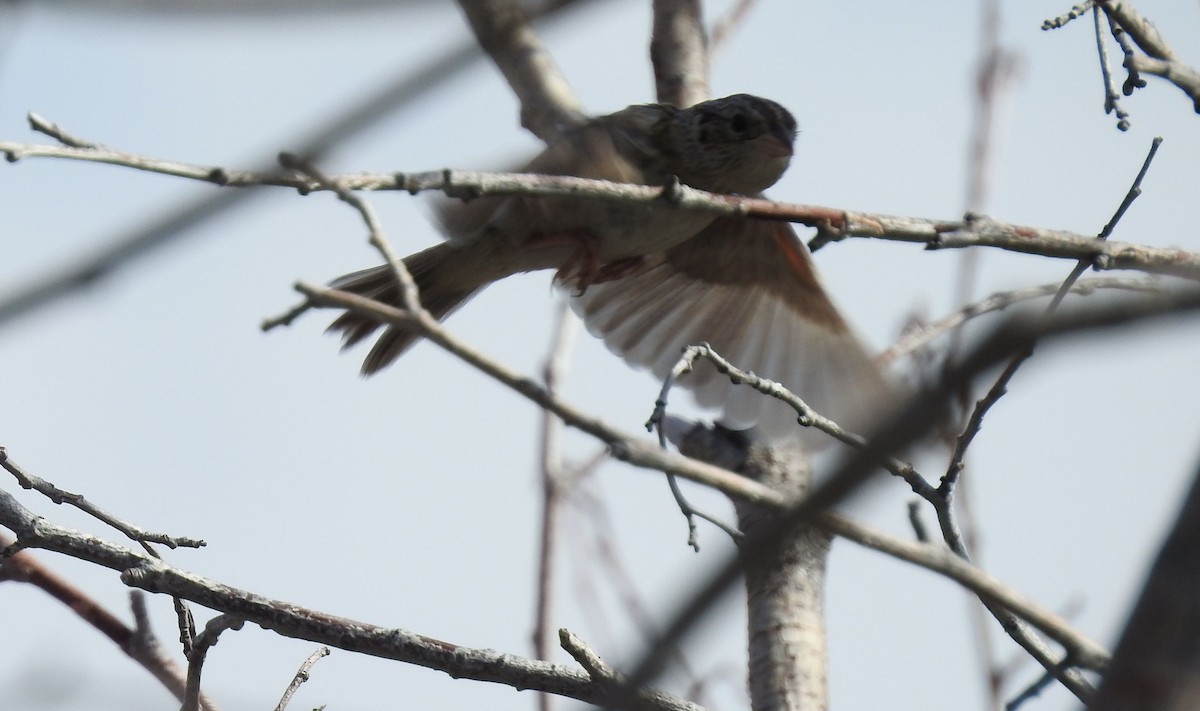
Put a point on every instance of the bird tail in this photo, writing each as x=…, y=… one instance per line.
x=442, y=289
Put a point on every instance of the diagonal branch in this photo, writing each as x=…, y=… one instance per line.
x=138, y=642
x=919, y=336
x=941, y=560
x=623, y=446
x=59, y=496
x=548, y=106
x=679, y=52
x=922, y=412
x=291, y=620
x=301, y=676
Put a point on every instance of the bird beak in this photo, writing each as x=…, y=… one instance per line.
x=773, y=146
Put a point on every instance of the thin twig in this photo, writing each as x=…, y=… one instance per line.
x=1157, y=58
x=1030, y=692
x=553, y=479
x=1134, y=192
x=686, y=508
x=806, y=415
x=301, y=676
x=608, y=566
x=1133, y=78
x=1072, y=14
x=919, y=336
x=58, y=133
x=59, y=496
x=591, y=662
x=1000, y=387
x=1112, y=100
x=690, y=513
x=943, y=502
x=205, y=641
x=725, y=26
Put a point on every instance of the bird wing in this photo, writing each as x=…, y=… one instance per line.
x=748, y=288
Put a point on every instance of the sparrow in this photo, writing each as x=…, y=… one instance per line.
x=649, y=279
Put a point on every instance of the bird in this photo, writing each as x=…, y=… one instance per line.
x=649, y=279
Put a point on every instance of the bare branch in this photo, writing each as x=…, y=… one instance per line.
x=691, y=513
x=554, y=481
x=301, y=676
x=1181, y=75
x=291, y=620
x=939, y=559
x=1141, y=29
x=587, y=657
x=1157, y=57
x=203, y=642
x=943, y=500
x=1112, y=102
x=58, y=496
x=915, y=418
x=833, y=224
x=142, y=537
x=679, y=52
x=548, y=106
x=1000, y=387
x=784, y=589
x=806, y=416
x=921, y=335
x=911, y=421
x=1073, y=14
x=940, y=498
x=623, y=446
x=149, y=652
x=53, y=130
x=139, y=643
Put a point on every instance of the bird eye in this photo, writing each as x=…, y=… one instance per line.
x=738, y=123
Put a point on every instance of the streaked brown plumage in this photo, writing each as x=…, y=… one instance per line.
x=745, y=286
